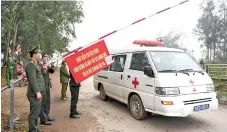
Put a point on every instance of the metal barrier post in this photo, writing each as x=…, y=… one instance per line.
x=11, y=122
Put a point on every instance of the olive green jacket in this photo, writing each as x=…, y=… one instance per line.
x=46, y=78
x=10, y=66
x=35, y=79
x=64, y=75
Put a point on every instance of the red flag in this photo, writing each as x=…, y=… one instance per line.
x=89, y=61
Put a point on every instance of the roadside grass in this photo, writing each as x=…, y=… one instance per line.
x=21, y=127
x=220, y=87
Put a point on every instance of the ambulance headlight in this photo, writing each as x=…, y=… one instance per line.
x=210, y=88
x=167, y=91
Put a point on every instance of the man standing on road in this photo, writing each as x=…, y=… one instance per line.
x=64, y=79
x=50, y=70
x=36, y=86
x=74, y=89
x=45, y=109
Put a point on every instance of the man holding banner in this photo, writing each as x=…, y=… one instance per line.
x=74, y=89
x=45, y=110
x=83, y=64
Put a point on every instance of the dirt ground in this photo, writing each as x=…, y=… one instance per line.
x=109, y=116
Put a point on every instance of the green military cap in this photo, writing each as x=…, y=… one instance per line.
x=35, y=50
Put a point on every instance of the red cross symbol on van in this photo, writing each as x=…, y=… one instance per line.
x=135, y=82
x=192, y=82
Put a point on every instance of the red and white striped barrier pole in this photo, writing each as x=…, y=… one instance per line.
x=108, y=34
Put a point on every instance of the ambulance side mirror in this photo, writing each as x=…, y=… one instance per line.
x=148, y=71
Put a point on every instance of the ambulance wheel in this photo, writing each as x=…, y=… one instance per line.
x=136, y=107
x=102, y=93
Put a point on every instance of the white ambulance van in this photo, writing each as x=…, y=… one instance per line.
x=158, y=80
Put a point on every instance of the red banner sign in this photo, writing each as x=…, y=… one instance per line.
x=89, y=61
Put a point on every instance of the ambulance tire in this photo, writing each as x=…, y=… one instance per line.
x=136, y=108
x=102, y=93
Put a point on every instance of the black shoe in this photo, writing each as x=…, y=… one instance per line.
x=51, y=119
x=38, y=131
x=74, y=115
x=46, y=123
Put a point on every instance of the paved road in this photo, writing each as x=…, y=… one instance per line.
x=112, y=116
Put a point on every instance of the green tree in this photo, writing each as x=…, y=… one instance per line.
x=47, y=23
x=172, y=40
x=222, y=13
x=10, y=20
x=211, y=29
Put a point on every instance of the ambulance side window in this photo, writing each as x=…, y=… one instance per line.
x=107, y=68
x=139, y=61
x=119, y=63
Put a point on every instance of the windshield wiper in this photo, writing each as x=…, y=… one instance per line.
x=175, y=71
x=182, y=71
x=198, y=72
x=168, y=71
x=191, y=70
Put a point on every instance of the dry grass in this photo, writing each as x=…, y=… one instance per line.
x=22, y=126
x=221, y=87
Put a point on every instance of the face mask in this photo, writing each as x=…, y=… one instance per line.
x=40, y=57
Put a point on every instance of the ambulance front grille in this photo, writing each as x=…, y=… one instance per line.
x=188, y=102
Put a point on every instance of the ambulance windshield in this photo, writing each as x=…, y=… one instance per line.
x=173, y=61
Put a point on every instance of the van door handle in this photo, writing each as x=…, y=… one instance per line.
x=121, y=76
x=149, y=85
x=104, y=77
x=129, y=76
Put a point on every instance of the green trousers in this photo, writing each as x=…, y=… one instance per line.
x=43, y=113
x=74, y=99
x=9, y=76
x=35, y=108
x=63, y=90
x=48, y=100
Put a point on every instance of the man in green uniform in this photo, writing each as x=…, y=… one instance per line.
x=15, y=69
x=10, y=69
x=36, y=86
x=74, y=89
x=64, y=79
x=45, y=110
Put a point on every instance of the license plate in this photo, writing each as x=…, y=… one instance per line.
x=201, y=107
